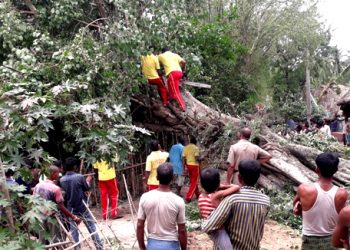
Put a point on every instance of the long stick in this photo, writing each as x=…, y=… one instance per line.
x=63, y=228
x=82, y=240
x=81, y=166
x=130, y=203
x=132, y=208
x=58, y=244
x=97, y=225
x=90, y=247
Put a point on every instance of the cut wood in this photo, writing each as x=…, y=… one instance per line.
x=198, y=84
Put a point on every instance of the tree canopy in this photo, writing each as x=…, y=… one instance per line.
x=69, y=68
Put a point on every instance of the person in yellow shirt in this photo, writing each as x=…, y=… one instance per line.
x=151, y=70
x=108, y=185
x=191, y=159
x=154, y=159
x=174, y=67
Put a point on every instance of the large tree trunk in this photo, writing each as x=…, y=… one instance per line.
x=291, y=164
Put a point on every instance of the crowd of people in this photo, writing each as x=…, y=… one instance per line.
x=234, y=214
x=233, y=211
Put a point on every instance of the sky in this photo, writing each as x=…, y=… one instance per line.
x=336, y=14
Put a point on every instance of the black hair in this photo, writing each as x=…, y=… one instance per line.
x=320, y=123
x=249, y=171
x=71, y=163
x=210, y=179
x=327, y=163
x=193, y=140
x=9, y=173
x=154, y=145
x=165, y=49
x=181, y=140
x=58, y=163
x=29, y=163
x=165, y=173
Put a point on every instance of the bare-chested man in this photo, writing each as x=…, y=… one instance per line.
x=319, y=204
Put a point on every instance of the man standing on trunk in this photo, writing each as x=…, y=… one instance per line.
x=243, y=150
x=165, y=215
x=319, y=204
x=151, y=70
x=175, y=67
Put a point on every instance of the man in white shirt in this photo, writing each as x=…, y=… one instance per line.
x=165, y=215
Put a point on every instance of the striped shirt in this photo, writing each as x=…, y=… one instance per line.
x=205, y=205
x=243, y=215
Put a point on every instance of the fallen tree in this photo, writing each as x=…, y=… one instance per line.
x=291, y=164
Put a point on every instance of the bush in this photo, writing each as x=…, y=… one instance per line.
x=282, y=208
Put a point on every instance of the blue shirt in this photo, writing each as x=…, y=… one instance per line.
x=75, y=187
x=175, y=156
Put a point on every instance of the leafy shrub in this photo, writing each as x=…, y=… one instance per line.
x=282, y=208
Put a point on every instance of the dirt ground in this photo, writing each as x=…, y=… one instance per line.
x=276, y=236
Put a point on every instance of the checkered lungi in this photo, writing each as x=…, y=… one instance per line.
x=317, y=243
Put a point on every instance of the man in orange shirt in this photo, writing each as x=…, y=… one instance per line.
x=174, y=67
x=190, y=156
x=151, y=70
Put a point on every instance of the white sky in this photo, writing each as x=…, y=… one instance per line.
x=336, y=13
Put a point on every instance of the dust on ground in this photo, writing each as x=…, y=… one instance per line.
x=276, y=236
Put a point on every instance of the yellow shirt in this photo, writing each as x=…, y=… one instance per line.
x=105, y=172
x=190, y=152
x=153, y=160
x=149, y=65
x=170, y=62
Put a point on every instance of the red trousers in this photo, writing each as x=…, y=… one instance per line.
x=109, y=195
x=161, y=89
x=193, y=174
x=174, y=90
x=152, y=187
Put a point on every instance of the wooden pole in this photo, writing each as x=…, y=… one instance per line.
x=81, y=166
x=58, y=244
x=63, y=228
x=307, y=87
x=82, y=240
x=97, y=225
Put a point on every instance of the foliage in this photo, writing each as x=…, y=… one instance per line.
x=193, y=219
x=282, y=207
x=322, y=143
x=28, y=214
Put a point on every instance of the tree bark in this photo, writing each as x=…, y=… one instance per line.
x=291, y=164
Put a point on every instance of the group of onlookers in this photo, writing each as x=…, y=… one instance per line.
x=70, y=193
x=233, y=214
